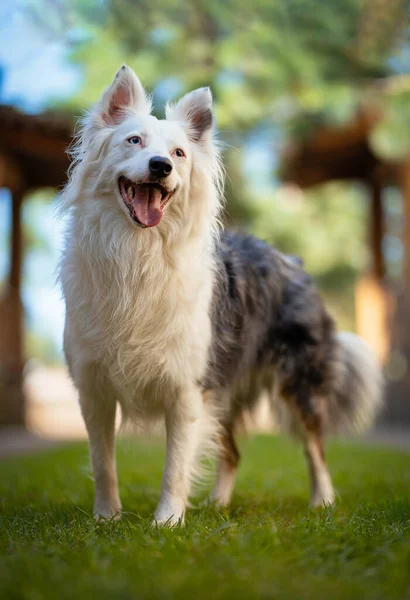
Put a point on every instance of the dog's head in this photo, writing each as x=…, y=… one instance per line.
x=143, y=163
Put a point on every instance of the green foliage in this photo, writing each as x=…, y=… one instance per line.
x=306, y=50
x=327, y=229
x=390, y=139
x=292, y=210
x=267, y=545
x=288, y=66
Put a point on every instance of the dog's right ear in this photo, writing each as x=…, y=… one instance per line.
x=125, y=92
x=194, y=111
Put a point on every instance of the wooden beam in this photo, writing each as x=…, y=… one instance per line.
x=35, y=143
x=16, y=242
x=11, y=328
x=10, y=173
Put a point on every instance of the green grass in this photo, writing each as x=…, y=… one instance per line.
x=267, y=545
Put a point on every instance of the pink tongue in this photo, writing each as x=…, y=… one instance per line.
x=147, y=205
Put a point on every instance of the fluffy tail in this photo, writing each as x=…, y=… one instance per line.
x=358, y=388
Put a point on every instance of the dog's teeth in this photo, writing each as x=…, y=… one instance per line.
x=130, y=193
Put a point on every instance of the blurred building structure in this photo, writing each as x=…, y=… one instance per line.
x=32, y=156
x=382, y=307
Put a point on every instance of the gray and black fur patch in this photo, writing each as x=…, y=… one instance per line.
x=267, y=316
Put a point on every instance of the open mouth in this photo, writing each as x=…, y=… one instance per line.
x=145, y=201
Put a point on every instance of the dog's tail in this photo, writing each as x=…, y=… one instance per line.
x=358, y=387
x=355, y=396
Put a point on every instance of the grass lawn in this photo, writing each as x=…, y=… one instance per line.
x=267, y=545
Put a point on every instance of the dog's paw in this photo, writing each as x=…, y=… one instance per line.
x=168, y=522
x=104, y=512
x=323, y=498
x=105, y=518
x=219, y=500
x=169, y=514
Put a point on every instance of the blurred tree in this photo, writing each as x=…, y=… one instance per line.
x=302, y=62
x=283, y=66
x=262, y=49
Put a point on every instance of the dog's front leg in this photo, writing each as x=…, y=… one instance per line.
x=183, y=421
x=99, y=417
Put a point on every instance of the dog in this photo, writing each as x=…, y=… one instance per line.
x=173, y=318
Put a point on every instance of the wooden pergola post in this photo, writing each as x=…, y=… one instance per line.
x=406, y=213
x=32, y=156
x=11, y=327
x=398, y=388
x=372, y=301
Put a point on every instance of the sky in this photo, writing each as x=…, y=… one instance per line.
x=36, y=72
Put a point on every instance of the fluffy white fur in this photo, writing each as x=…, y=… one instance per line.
x=137, y=321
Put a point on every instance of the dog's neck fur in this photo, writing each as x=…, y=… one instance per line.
x=147, y=292
x=147, y=258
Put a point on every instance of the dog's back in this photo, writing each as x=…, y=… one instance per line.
x=270, y=325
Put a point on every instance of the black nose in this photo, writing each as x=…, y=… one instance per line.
x=160, y=166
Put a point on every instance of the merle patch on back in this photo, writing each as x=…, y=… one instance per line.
x=266, y=312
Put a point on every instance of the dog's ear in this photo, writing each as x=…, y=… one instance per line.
x=194, y=112
x=125, y=92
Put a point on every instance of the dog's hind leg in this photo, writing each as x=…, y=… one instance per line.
x=322, y=492
x=311, y=419
x=99, y=417
x=226, y=469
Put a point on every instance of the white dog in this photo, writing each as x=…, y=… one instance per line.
x=170, y=318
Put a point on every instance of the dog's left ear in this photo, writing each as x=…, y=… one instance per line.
x=125, y=92
x=194, y=112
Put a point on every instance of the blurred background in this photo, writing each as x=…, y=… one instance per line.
x=313, y=105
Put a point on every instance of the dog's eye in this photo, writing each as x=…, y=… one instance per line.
x=179, y=152
x=136, y=140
